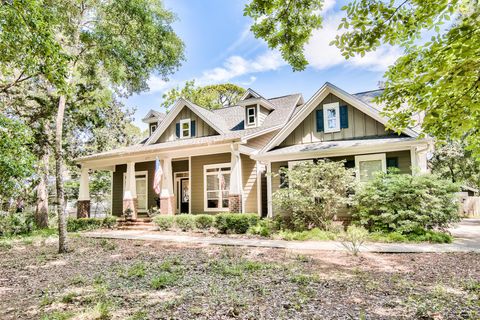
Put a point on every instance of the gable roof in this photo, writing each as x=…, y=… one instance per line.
x=216, y=122
x=154, y=116
x=250, y=93
x=303, y=111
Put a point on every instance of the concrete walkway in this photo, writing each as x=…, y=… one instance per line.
x=467, y=239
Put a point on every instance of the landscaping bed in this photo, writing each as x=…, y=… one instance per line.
x=119, y=279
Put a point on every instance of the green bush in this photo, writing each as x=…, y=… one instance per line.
x=164, y=222
x=353, y=238
x=314, y=234
x=185, y=222
x=235, y=222
x=406, y=204
x=74, y=224
x=16, y=224
x=264, y=228
x=204, y=221
x=425, y=236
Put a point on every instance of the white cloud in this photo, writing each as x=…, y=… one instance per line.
x=236, y=66
x=323, y=56
x=157, y=84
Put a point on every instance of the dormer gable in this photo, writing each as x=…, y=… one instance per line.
x=256, y=107
x=153, y=119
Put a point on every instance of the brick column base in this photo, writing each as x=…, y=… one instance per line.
x=234, y=203
x=133, y=205
x=83, y=209
x=167, y=205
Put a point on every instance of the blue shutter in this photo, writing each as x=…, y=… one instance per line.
x=192, y=128
x=177, y=129
x=343, y=117
x=319, y=120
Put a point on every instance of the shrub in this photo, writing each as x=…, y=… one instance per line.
x=235, y=222
x=74, y=224
x=109, y=222
x=164, y=222
x=353, y=238
x=264, y=228
x=185, y=221
x=313, y=234
x=406, y=204
x=314, y=195
x=204, y=221
x=16, y=223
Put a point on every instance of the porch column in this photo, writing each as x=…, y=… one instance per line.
x=83, y=203
x=130, y=201
x=236, y=191
x=269, y=190
x=167, y=198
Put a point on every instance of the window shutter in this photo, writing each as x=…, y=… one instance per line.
x=343, y=117
x=192, y=128
x=392, y=162
x=177, y=129
x=319, y=120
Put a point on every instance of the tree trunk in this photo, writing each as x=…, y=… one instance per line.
x=62, y=225
x=41, y=210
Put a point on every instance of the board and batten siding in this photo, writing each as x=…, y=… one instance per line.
x=359, y=125
x=117, y=185
x=202, y=129
x=249, y=181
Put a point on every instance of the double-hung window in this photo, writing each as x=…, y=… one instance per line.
x=216, y=186
x=185, y=128
x=153, y=127
x=331, y=117
x=366, y=166
x=251, y=116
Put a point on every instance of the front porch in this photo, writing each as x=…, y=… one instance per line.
x=199, y=183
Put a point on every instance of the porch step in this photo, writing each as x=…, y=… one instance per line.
x=137, y=224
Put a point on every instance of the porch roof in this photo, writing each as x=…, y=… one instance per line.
x=341, y=148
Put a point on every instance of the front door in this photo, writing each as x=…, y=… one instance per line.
x=184, y=195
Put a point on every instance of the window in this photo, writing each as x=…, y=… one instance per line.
x=251, y=116
x=216, y=186
x=184, y=128
x=153, y=127
x=331, y=117
x=368, y=165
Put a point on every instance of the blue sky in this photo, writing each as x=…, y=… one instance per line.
x=220, y=48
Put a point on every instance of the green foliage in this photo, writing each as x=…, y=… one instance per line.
x=235, y=222
x=286, y=25
x=210, y=97
x=438, y=77
x=313, y=234
x=314, y=194
x=353, y=238
x=264, y=228
x=164, y=222
x=16, y=158
x=186, y=222
x=16, y=224
x=163, y=280
x=418, y=236
x=74, y=225
x=138, y=270
x=204, y=221
x=405, y=203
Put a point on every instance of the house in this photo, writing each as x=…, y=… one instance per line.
x=221, y=160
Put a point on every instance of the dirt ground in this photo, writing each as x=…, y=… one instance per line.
x=122, y=279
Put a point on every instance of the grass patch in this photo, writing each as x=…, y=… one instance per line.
x=163, y=280
x=59, y=315
x=314, y=234
x=304, y=279
x=138, y=270
x=428, y=236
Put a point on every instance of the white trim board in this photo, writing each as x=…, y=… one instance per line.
x=205, y=200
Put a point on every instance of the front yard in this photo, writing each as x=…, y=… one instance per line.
x=122, y=279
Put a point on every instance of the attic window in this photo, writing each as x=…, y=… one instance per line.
x=153, y=127
x=251, y=116
x=331, y=117
x=184, y=128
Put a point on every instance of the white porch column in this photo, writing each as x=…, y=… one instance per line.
x=83, y=203
x=235, y=193
x=130, y=192
x=167, y=198
x=269, y=191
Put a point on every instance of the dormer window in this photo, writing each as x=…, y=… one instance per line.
x=185, y=128
x=153, y=127
x=251, y=116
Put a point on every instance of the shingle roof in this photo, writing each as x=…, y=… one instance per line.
x=368, y=97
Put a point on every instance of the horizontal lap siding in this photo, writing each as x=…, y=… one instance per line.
x=249, y=180
x=197, y=188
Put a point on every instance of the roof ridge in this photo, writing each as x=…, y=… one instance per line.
x=368, y=91
x=287, y=95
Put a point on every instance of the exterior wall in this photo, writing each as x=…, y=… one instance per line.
x=196, y=183
x=201, y=127
x=359, y=125
x=117, y=185
x=262, y=115
x=249, y=180
x=179, y=166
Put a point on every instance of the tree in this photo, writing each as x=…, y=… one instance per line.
x=313, y=193
x=286, y=25
x=210, y=97
x=121, y=42
x=16, y=159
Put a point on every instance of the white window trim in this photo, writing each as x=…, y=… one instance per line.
x=370, y=157
x=189, y=128
x=153, y=127
x=255, y=112
x=205, y=201
x=139, y=173
x=330, y=106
